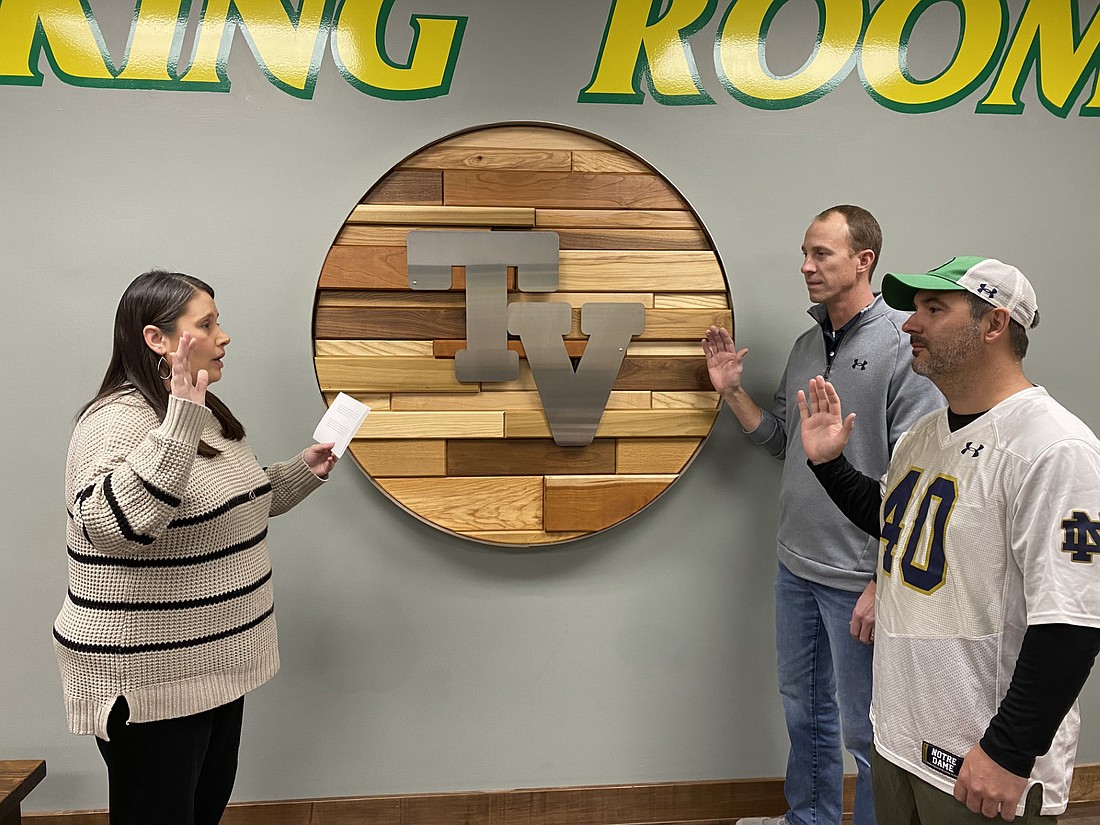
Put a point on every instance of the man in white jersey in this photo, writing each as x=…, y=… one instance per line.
x=988, y=597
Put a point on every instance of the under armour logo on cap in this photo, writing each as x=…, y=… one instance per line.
x=995, y=282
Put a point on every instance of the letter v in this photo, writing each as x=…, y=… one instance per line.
x=574, y=401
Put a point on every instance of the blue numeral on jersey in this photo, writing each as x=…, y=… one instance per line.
x=1080, y=537
x=893, y=514
x=924, y=571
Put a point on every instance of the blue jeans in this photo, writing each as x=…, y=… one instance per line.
x=813, y=645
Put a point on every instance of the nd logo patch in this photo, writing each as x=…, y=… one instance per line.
x=521, y=306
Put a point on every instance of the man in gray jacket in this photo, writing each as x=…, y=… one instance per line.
x=824, y=591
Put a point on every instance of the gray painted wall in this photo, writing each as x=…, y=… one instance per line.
x=413, y=661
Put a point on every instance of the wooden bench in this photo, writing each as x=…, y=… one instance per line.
x=17, y=779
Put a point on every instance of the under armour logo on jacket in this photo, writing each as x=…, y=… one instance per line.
x=970, y=448
x=987, y=290
x=859, y=365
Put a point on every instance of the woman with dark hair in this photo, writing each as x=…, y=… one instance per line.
x=169, y=617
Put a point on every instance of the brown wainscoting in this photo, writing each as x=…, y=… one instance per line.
x=713, y=802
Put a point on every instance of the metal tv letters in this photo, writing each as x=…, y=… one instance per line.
x=573, y=399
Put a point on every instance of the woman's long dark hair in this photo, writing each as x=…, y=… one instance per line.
x=156, y=298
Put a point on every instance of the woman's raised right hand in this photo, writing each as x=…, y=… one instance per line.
x=183, y=384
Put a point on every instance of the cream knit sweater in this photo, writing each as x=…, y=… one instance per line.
x=170, y=600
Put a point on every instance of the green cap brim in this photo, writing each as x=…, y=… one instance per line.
x=899, y=290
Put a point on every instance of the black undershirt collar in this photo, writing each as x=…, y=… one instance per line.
x=956, y=421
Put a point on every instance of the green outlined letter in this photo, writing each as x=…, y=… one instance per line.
x=67, y=30
x=1047, y=38
x=153, y=50
x=739, y=53
x=359, y=48
x=287, y=44
x=983, y=27
x=640, y=42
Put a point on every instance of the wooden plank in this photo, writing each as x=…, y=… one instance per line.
x=687, y=349
x=383, y=298
x=619, y=423
x=408, y=187
x=595, y=160
x=524, y=538
x=289, y=812
x=485, y=400
x=488, y=399
x=365, y=267
x=616, y=219
x=442, y=216
x=655, y=455
x=376, y=401
x=380, y=373
x=396, y=323
x=685, y=400
x=475, y=157
x=396, y=459
x=535, y=456
x=694, y=300
x=660, y=325
x=664, y=373
x=683, y=324
x=526, y=137
x=493, y=503
x=1085, y=785
x=639, y=271
x=680, y=802
x=18, y=777
x=431, y=425
x=377, y=374
x=579, y=299
x=386, y=234
x=471, y=809
x=446, y=348
x=632, y=239
x=337, y=346
x=558, y=190
x=597, y=502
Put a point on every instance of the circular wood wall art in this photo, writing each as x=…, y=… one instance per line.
x=478, y=460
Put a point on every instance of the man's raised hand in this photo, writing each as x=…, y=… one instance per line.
x=825, y=431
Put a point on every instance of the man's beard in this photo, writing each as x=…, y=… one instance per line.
x=948, y=356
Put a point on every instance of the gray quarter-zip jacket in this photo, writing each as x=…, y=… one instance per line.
x=871, y=372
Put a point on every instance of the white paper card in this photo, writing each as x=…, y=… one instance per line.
x=341, y=422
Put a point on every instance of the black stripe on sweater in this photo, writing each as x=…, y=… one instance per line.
x=157, y=647
x=207, y=601
x=159, y=494
x=83, y=494
x=185, y=561
x=83, y=529
x=120, y=517
x=221, y=509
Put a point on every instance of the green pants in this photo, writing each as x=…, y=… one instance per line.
x=904, y=799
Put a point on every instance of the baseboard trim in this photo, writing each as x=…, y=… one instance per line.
x=710, y=802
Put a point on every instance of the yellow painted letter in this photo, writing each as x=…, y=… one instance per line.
x=983, y=28
x=739, y=53
x=69, y=32
x=1047, y=39
x=641, y=42
x=155, y=40
x=358, y=45
x=287, y=45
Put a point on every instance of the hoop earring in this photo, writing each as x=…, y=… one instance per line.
x=166, y=367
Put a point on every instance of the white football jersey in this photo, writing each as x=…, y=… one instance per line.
x=985, y=531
